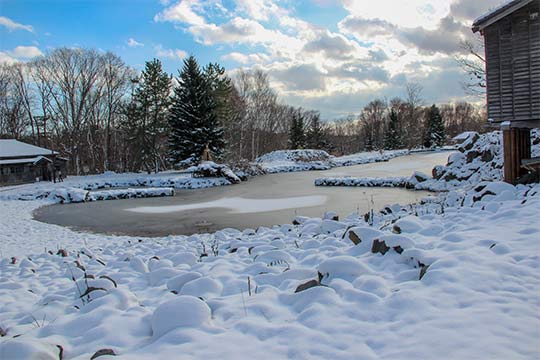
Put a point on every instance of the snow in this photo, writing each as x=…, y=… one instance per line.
x=184, y=311
x=477, y=298
x=14, y=148
x=239, y=205
x=306, y=160
x=82, y=188
x=480, y=158
x=456, y=274
x=33, y=160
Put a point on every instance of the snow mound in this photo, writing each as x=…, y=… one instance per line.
x=480, y=158
x=184, y=311
x=209, y=169
x=27, y=349
x=294, y=155
x=305, y=160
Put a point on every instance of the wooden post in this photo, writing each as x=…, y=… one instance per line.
x=516, y=146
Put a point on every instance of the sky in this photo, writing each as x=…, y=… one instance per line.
x=328, y=55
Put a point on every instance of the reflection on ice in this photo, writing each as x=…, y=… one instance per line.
x=239, y=205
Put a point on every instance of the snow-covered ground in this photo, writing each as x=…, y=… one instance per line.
x=81, y=188
x=306, y=160
x=455, y=276
x=247, y=294
x=480, y=158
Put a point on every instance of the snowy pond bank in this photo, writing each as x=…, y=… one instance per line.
x=261, y=201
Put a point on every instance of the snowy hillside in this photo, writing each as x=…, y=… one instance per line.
x=479, y=158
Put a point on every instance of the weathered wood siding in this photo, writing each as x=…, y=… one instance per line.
x=513, y=66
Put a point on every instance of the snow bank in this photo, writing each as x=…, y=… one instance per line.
x=306, y=160
x=75, y=195
x=480, y=158
x=398, y=181
x=209, y=169
x=81, y=188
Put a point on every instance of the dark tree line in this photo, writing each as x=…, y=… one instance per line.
x=102, y=115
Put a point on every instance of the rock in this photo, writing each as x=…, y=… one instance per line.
x=331, y=215
x=176, y=283
x=487, y=156
x=471, y=155
x=307, y=285
x=420, y=176
x=423, y=270
x=396, y=229
x=438, y=172
x=354, y=238
x=181, y=312
x=379, y=246
x=329, y=226
x=469, y=143
x=103, y=352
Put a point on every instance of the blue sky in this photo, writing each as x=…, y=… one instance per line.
x=330, y=55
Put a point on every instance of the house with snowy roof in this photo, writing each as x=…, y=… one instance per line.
x=23, y=163
x=512, y=52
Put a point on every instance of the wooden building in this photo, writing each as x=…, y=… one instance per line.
x=24, y=163
x=512, y=45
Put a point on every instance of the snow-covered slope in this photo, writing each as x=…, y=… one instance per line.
x=480, y=158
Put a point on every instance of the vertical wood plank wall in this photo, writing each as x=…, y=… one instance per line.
x=517, y=146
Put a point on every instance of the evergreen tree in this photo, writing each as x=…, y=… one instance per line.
x=193, y=116
x=297, y=136
x=435, y=130
x=315, y=137
x=392, y=138
x=146, y=121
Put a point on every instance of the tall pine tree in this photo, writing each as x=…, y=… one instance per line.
x=146, y=122
x=435, y=134
x=193, y=117
x=297, y=136
x=392, y=137
x=315, y=136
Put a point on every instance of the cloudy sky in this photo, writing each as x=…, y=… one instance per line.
x=330, y=55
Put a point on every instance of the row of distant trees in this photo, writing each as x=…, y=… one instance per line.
x=382, y=124
x=103, y=115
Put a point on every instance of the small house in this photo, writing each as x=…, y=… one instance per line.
x=24, y=163
x=512, y=52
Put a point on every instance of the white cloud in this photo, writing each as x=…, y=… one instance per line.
x=184, y=11
x=25, y=52
x=12, y=25
x=377, y=47
x=257, y=58
x=6, y=59
x=134, y=43
x=406, y=13
x=170, y=53
x=260, y=10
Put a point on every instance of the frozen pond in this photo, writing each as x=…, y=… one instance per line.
x=261, y=201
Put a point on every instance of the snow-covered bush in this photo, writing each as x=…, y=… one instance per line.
x=244, y=169
x=211, y=169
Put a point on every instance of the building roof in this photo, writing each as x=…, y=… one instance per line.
x=498, y=13
x=10, y=148
x=33, y=160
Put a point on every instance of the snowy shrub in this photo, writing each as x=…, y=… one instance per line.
x=211, y=169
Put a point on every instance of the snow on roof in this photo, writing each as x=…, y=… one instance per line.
x=510, y=6
x=10, y=148
x=33, y=160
